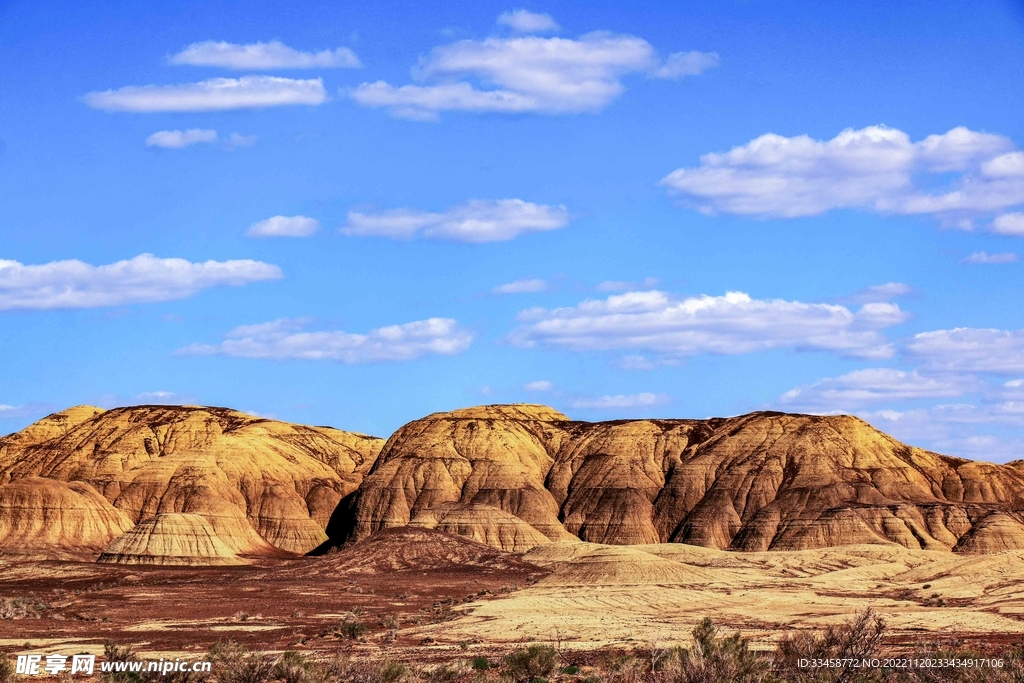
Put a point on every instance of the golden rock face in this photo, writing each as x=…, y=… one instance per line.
x=48, y=518
x=764, y=481
x=260, y=484
x=171, y=539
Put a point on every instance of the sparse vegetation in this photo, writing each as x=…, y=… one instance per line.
x=6, y=669
x=22, y=608
x=530, y=663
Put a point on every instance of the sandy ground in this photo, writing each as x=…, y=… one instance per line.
x=581, y=595
x=921, y=594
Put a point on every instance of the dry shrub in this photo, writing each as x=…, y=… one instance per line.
x=6, y=669
x=715, y=659
x=232, y=663
x=529, y=663
x=857, y=639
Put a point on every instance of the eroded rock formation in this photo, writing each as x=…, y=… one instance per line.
x=49, y=518
x=260, y=484
x=755, y=482
x=172, y=539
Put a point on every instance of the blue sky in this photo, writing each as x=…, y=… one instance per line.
x=355, y=215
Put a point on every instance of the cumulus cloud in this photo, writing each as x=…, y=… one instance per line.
x=539, y=385
x=284, y=226
x=875, y=168
x=524, y=286
x=177, y=139
x=984, y=257
x=967, y=349
x=263, y=56
x=731, y=324
x=285, y=339
x=477, y=220
x=622, y=401
x=143, y=279
x=215, y=94
x=524, y=21
x=527, y=74
x=874, y=385
x=1009, y=224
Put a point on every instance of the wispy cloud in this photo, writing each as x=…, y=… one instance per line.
x=524, y=21
x=876, y=169
x=539, y=385
x=284, y=339
x=731, y=324
x=284, y=226
x=626, y=285
x=875, y=385
x=622, y=401
x=263, y=56
x=143, y=279
x=216, y=94
x=880, y=293
x=983, y=257
x=528, y=73
x=177, y=139
x=524, y=286
x=477, y=220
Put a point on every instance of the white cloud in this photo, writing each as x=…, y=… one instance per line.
x=216, y=94
x=966, y=349
x=524, y=21
x=238, y=140
x=953, y=429
x=525, y=74
x=1009, y=224
x=622, y=401
x=284, y=339
x=730, y=324
x=177, y=139
x=876, y=293
x=626, y=285
x=284, y=226
x=539, y=385
x=143, y=279
x=985, y=257
x=875, y=168
x=263, y=56
x=524, y=286
x=477, y=220
x=873, y=385
x=682, y=64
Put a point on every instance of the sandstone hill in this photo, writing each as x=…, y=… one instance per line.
x=82, y=477
x=516, y=475
x=173, y=538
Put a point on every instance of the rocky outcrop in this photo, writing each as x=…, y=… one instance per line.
x=495, y=457
x=48, y=518
x=260, y=484
x=482, y=523
x=754, y=482
x=172, y=539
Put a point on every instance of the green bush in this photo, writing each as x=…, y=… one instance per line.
x=480, y=663
x=232, y=663
x=293, y=668
x=526, y=664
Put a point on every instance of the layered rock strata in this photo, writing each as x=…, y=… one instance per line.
x=754, y=482
x=261, y=485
